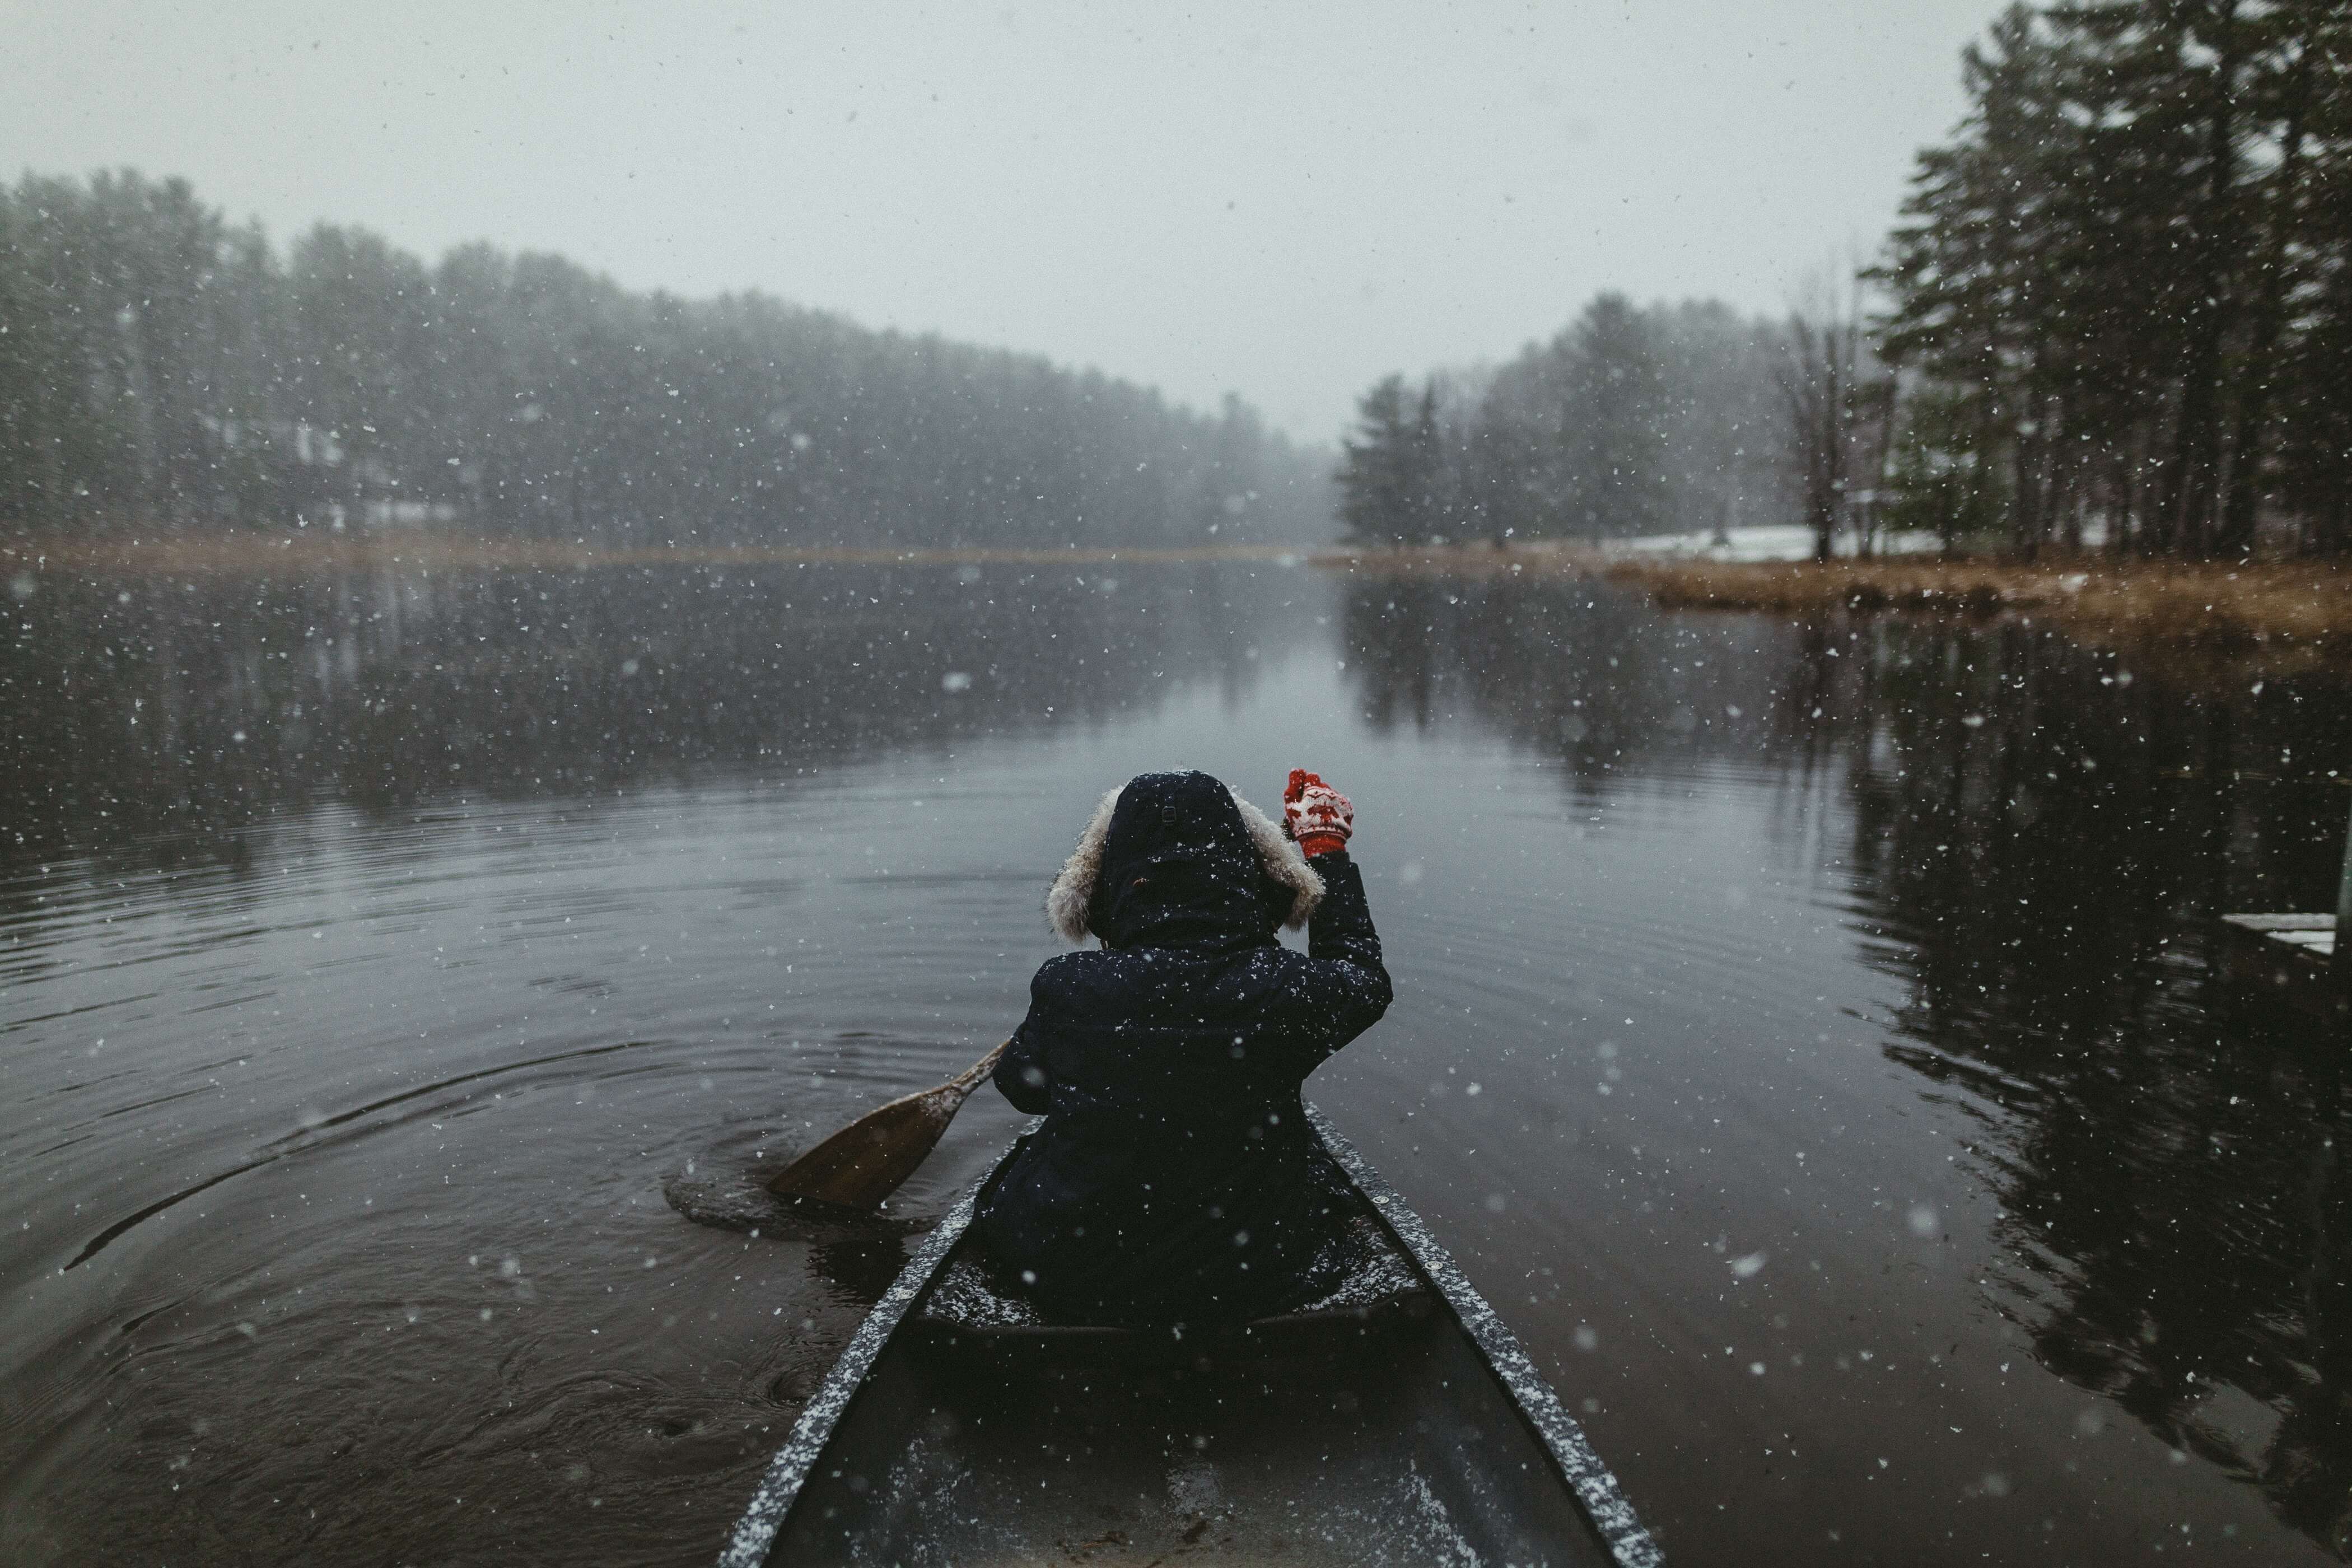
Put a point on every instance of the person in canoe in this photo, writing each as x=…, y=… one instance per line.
x=1174, y=1179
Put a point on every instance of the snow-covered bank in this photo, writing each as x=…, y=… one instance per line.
x=1780, y=541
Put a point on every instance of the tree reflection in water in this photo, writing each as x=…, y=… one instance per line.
x=192, y=707
x=2039, y=833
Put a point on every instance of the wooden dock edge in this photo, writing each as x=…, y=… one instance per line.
x=2286, y=960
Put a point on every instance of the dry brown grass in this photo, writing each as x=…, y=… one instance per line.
x=1458, y=561
x=2278, y=606
x=2273, y=614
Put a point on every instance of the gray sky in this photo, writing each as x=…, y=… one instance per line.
x=1286, y=201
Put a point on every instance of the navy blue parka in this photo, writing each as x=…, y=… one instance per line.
x=1174, y=1178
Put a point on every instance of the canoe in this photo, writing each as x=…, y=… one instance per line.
x=1395, y=1422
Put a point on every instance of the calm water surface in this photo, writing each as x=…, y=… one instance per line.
x=1803, y=1035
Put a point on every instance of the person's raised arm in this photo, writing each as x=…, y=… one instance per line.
x=1346, y=987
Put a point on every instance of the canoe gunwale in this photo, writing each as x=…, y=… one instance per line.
x=1593, y=1484
x=780, y=1485
x=1530, y=1393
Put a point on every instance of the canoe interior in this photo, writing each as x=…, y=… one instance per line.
x=1371, y=1431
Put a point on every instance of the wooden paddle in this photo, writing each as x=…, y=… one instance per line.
x=865, y=1163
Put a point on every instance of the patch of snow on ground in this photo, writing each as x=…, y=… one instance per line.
x=1780, y=541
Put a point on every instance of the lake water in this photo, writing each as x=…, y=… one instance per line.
x=1803, y=1035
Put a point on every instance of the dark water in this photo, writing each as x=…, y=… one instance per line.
x=1804, y=1038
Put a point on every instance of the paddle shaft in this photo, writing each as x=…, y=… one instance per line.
x=964, y=1082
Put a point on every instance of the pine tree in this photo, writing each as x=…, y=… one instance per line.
x=2124, y=258
x=1613, y=425
x=1384, y=483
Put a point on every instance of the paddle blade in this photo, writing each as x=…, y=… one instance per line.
x=866, y=1161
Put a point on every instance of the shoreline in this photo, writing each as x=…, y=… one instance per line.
x=2301, y=609
x=2262, y=606
x=284, y=554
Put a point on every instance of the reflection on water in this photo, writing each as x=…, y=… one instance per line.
x=204, y=704
x=1804, y=1032
x=2036, y=833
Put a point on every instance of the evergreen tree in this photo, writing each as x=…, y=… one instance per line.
x=1628, y=422
x=1385, y=478
x=1613, y=425
x=2122, y=265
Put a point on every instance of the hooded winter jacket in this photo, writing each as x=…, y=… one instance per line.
x=1174, y=1178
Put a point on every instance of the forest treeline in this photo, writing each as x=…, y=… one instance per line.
x=164, y=371
x=2117, y=311
x=1663, y=419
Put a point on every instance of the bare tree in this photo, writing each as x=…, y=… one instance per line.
x=1834, y=405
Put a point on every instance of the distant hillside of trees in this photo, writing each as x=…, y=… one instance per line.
x=2117, y=314
x=163, y=369
x=1664, y=419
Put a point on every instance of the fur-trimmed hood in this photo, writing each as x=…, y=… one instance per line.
x=1191, y=857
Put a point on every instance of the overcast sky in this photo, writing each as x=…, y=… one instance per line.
x=1282, y=200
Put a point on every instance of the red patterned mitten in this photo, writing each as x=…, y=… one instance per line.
x=1320, y=816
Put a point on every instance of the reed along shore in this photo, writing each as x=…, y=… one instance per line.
x=2277, y=605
